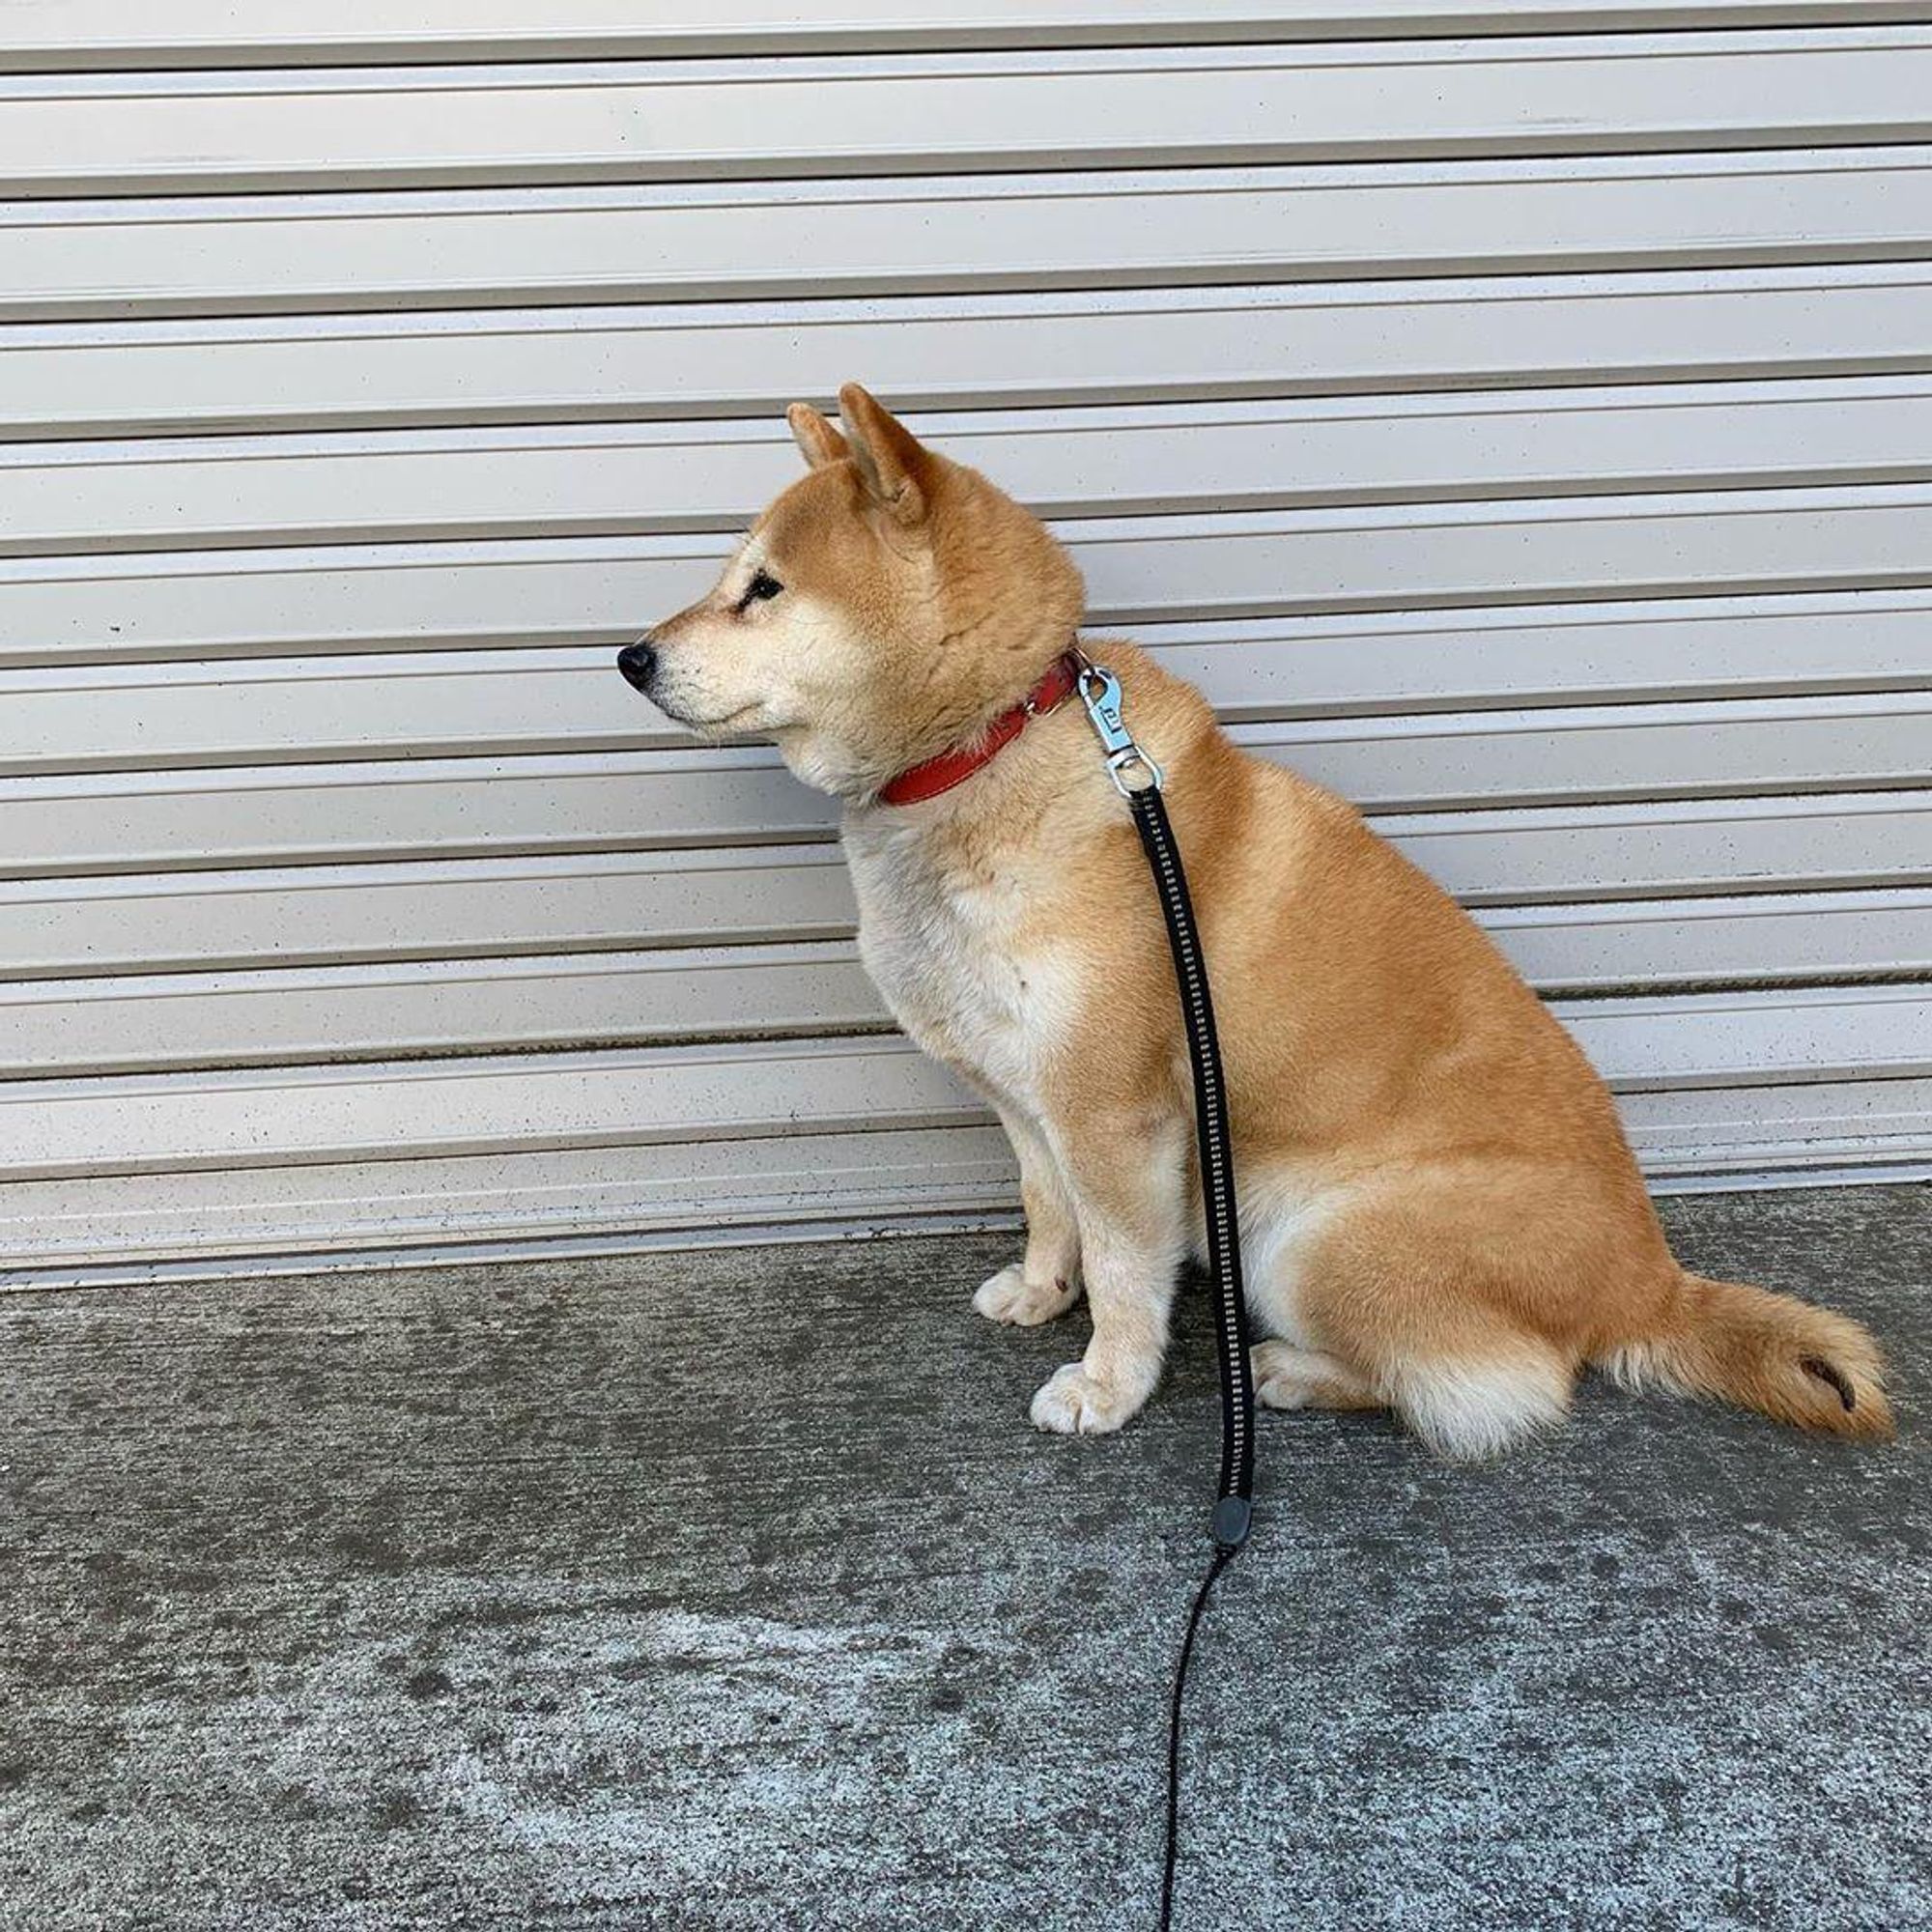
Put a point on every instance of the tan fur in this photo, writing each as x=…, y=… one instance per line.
x=1440, y=1209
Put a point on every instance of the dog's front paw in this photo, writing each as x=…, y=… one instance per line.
x=1009, y=1296
x=1076, y=1401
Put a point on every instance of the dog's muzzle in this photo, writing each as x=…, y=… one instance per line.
x=638, y=663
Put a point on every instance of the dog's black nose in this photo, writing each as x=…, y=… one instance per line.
x=638, y=662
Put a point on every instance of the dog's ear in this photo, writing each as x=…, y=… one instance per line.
x=816, y=439
x=891, y=460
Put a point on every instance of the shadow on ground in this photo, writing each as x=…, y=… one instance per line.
x=734, y=1591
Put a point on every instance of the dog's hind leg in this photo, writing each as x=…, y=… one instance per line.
x=1290, y=1378
x=1428, y=1302
x=1046, y=1283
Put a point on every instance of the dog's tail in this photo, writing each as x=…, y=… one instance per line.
x=1783, y=1357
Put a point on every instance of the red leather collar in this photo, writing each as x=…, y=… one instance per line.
x=933, y=776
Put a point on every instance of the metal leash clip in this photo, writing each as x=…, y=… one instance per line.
x=1101, y=694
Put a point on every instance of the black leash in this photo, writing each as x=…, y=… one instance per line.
x=1140, y=780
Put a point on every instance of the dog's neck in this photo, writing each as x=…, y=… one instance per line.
x=957, y=763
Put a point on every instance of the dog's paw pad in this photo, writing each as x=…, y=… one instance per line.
x=1072, y=1401
x=1009, y=1296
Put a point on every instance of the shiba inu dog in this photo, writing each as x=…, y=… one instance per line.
x=1439, y=1209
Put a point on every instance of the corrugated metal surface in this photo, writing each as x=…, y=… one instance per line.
x=1517, y=415
x=860, y=114
x=1125, y=229
x=117, y=34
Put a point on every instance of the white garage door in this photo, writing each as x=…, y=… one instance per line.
x=1515, y=413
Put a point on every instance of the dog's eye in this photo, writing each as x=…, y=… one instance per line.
x=761, y=589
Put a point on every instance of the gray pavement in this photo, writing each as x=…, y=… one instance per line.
x=733, y=1590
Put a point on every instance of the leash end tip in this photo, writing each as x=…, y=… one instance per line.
x=1233, y=1516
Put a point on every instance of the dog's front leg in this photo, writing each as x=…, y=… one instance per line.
x=1048, y=1282
x=1129, y=1179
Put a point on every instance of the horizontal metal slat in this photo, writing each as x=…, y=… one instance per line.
x=69, y=34
x=1717, y=845
x=1775, y=848
x=534, y=365
x=1807, y=1128
x=464, y=807
x=375, y=1013
x=1596, y=653
x=220, y=255
x=1610, y=752
x=1676, y=943
x=445, y=808
x=1148, y=569
x=695, y=1191
x=702, y=1188
x=304, y=130
x=518, y=702
x=154, y=1123
x=1541, y=552
x=435, y=909
x=68, y=1027
x=594, y=480
x=1659, y=1042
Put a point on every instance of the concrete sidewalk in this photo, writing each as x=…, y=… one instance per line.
x=734, y=1591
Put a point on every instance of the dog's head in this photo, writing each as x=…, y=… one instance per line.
x=884, y=607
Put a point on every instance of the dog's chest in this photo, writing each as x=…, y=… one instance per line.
x=955, y=946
